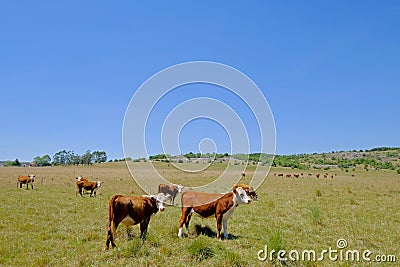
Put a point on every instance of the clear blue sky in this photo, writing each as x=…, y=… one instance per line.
x=330, y=70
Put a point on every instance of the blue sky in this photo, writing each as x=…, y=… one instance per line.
x=330, y=70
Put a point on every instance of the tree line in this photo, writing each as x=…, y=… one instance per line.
x=65, y=157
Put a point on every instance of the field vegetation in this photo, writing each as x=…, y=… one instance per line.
x=51, y=226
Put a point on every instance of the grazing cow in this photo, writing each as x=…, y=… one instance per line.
x=296, y=175
x=88, y=186
x=131, y=211
x=172, y=190
x=309, y=174
x=317, y=175
x=26, y=180
x=331, y=176
x=206, y=205
x=325, y=176
x=280, y=174
x=248, y=189
x=288, y=175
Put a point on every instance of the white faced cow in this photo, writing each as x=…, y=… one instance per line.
x=26, y=180
x=171, y=190
x=206, y=205
x=88, y=186
x=131, y=211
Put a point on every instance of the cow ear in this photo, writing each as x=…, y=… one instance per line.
x=234, y=188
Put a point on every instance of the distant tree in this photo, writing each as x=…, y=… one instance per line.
x=60, y=158
x=75, y=159
x=87, y=158
x=189, y=155
x=42, y=161
x=17, y=163
x=10, y=163
x=99, y=156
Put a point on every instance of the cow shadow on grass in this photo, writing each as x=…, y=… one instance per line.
x=207, y=231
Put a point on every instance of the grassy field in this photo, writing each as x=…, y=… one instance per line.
x=50, y=226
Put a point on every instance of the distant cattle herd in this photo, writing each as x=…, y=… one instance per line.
x=299, y=175
x=132, y=210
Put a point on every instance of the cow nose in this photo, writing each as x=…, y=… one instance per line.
x=162, y=209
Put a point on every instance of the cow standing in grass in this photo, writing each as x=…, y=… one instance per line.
x=88, y=186
x=206, y=205
x=131, y=210
x=26, y=180
x=171, y=190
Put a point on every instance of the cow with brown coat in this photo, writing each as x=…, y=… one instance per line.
x=206, y=205
x=88, y=186
x=132, y=210
x=26, y=180
x=171, y=190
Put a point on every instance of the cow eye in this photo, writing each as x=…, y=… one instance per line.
x=241, y=195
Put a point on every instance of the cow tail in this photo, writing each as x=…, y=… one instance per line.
x=111, y=210
x=110, y=227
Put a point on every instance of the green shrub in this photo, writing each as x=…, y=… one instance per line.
x=316, y=215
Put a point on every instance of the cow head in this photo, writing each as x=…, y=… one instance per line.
x=241, y=196
x=249, y=190
x=31, y=177
x=78, y=178
x=179, y=187
x=160, y=198
x=99, y=183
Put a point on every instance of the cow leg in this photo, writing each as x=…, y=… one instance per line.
x=225, y=225
x=32, y=186
x=80, y=192
x=184, y=219
x=187, y=222
x=143, y=228
x=219, y=225
x=20, y=185
x=27, y=186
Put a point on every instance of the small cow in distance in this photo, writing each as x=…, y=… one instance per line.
x=26, y=180
x=88, y=186
x=171, y=190
x=206, y=205
x=131, y=211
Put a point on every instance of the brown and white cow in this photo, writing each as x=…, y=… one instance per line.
x=132, y=210
x=88, y=186
x=248, y=188
x=206, y=205
x=26, y=180
x=172, y=190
